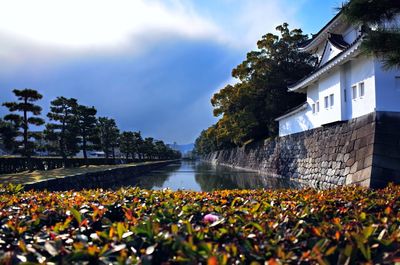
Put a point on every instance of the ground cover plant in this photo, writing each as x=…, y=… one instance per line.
x=133, y=226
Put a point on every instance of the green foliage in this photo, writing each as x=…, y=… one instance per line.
x=349, y=225
x=377, y=17
x=86, y=122
x=108, y=135
x=248, y=108
x=8, y=134
x=132, y=144
x=29, y=116
x=127, y=144
x=63, y=131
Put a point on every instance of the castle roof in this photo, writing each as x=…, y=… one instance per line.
x=348, y=52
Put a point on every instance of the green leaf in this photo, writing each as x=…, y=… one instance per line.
x=77, y=215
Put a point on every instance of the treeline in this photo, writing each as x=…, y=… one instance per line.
x=71, y=128
x=248, y=108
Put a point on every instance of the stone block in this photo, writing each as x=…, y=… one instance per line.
x=353, y=168
x=350, y=162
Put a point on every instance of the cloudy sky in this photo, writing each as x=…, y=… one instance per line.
x=150, y=64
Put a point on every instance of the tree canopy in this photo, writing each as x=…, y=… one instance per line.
x=248, y=108
x=63, y=129
x=29, y=115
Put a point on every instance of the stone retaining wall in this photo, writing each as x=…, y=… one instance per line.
x=363, y=151
x=99, y=179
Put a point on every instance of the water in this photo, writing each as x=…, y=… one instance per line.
x=201, y=176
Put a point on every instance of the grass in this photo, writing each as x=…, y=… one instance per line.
x=133, y=226
x=39, y=175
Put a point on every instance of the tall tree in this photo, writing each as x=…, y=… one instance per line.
x=108, y=134
x=249, y=107
x=86, y=121
x=126, y=144
x=379, y=19
x=148, y=147
x=160, y=149
x=63, y=129
x=138, y=143
x=30, y=116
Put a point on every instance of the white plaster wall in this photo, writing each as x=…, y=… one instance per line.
x=330, y=52
x=298, y=122
x=387, y=94
x=328, y=85
x=360, y=70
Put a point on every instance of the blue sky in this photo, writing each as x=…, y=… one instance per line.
x=152, y=65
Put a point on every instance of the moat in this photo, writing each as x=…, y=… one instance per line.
x=202, y=176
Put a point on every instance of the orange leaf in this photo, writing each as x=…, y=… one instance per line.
x=212, y=261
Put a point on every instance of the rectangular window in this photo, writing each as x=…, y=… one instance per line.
x=313, y=108
x=332, y=99
x=326, y=102
x=345, y=95
x=317, y=106
x=354, y=90
x=362, y=89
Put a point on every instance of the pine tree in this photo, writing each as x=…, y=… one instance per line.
x=377, y=18
x=86, y=122
x=63, y=129
x=8, y=133
x=127, y=144
x=29, y=116
x=108, y=135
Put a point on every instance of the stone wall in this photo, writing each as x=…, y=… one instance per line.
x=363, y=151
x=99, y=179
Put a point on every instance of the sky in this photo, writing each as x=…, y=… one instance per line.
x=152, y=65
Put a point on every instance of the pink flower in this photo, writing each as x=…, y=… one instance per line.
x=210, y=218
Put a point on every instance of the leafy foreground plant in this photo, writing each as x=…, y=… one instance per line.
x=133, y=226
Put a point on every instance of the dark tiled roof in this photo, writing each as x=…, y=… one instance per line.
x=325, y=64
x=314, y=36
x=338, y=41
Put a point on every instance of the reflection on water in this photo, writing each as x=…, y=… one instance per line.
x=200, y=176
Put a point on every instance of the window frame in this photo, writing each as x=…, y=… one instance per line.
x=354, y=92
x=326, y=101
x=361, y=88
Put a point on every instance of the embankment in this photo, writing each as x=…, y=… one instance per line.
x=98, y=179
x=363, y=151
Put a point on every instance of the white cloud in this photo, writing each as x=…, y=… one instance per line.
x=97, y=23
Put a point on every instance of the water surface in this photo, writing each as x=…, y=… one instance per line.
x=202, y=176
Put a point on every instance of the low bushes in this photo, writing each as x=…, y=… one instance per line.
x=341, y=226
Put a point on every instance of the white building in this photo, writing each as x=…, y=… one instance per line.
x=346, y=83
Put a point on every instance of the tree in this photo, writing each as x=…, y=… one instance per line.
x=63, y=130
x=148, y=147
x=8, y=134
x=378, y=20
x=248, y=108
x=126, y=144
x=30, y=113
x=160, y=150
x=138, y=143
x=206, y=143
x=86, y=122
x=108, y=135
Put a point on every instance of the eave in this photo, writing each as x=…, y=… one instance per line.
x=341, y=58
x=322, y=35
x=293, y=111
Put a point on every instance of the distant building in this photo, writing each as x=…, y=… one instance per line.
x=346, y=84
